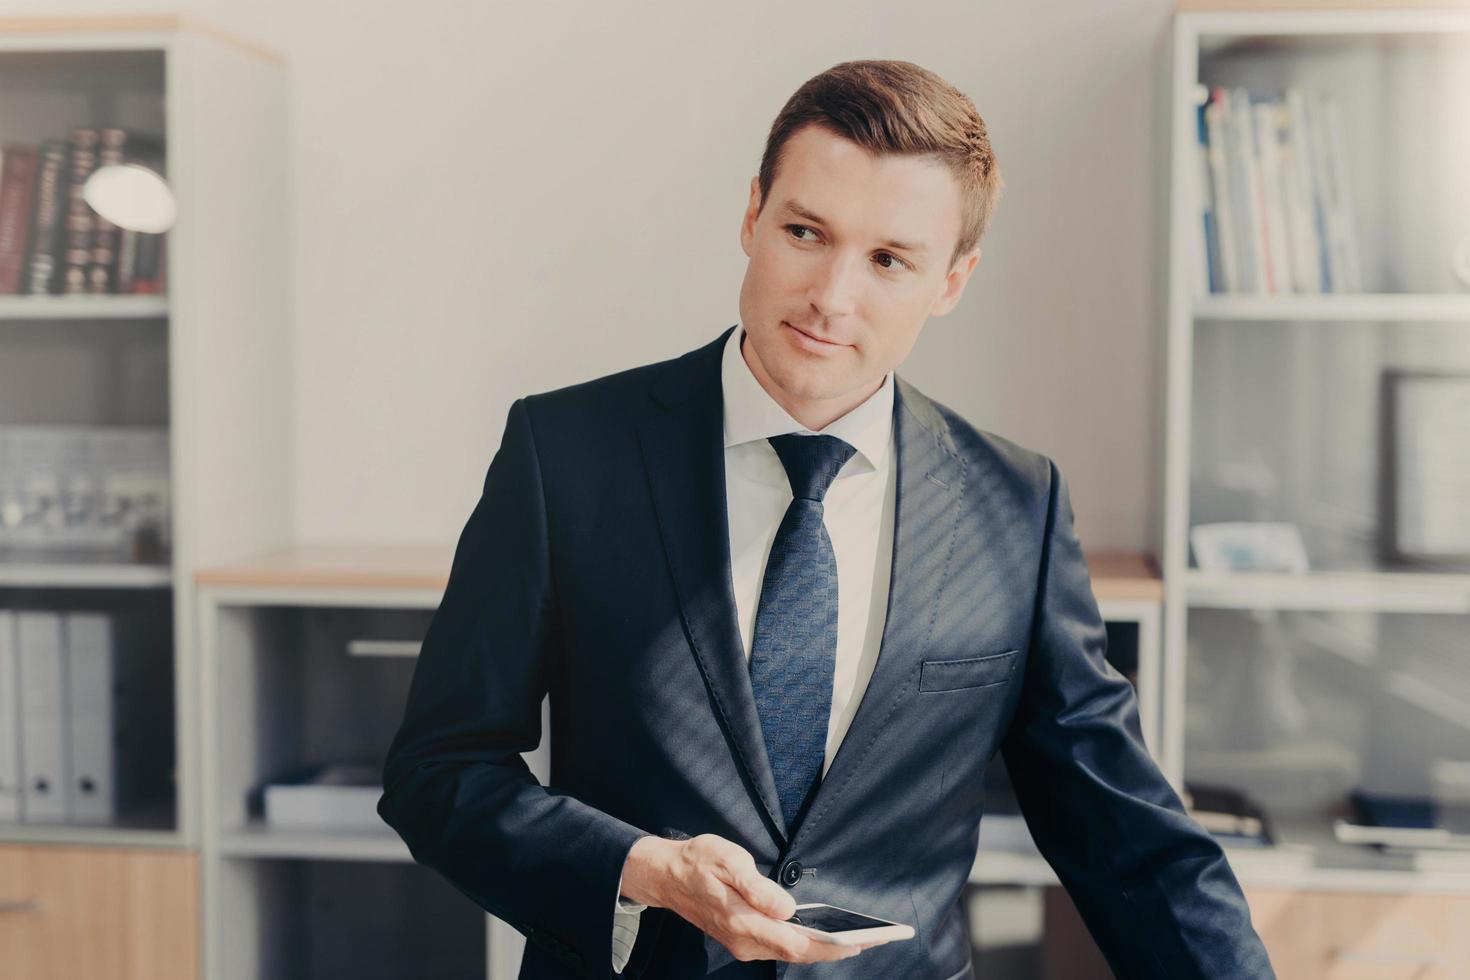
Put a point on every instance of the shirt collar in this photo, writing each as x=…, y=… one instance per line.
x=751, y=414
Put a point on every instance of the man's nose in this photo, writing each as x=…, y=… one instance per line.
x=833, y=291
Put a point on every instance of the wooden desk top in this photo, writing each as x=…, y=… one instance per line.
x=1125, y=575
x=1115, y=574
x=339, y=567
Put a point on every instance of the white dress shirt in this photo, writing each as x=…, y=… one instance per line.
x=858, y=511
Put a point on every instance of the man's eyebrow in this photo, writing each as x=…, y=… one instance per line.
x=806, y=213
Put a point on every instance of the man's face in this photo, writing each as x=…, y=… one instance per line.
x=848, y=258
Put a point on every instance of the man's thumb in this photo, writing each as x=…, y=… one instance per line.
x=770, y=898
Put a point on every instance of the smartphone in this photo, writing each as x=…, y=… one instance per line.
x=844, y=927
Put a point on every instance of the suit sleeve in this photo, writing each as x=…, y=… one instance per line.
x=1153, y=887
x=455, y=786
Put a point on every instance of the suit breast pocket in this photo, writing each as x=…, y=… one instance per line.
x=969, y=672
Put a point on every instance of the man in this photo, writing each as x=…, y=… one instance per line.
x=787, y=608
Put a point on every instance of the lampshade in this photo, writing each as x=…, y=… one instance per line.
x=131, y=196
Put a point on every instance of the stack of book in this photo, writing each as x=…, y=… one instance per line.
x=1274, y=198
x=1227, y=813
x=1405, y=825
x=51, y=241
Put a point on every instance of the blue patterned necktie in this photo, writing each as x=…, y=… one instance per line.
x=794, y=645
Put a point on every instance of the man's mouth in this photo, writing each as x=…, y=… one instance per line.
x=813, y=337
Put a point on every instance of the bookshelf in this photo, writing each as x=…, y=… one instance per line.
x=306, y=658
x=1300, y=687
x=205, y=364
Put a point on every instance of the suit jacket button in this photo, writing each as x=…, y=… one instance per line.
x=791, y=874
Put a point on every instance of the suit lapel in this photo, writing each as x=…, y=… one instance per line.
x=683, y=442
x=931, y=481
x=682, y=439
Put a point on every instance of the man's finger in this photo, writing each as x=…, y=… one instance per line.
x=760, y=892
x=779, y=940
x=764, y=894
x=784, y=942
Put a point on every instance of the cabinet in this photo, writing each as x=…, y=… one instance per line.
x=1304, y=683
x=306, y=659
x=110, y=913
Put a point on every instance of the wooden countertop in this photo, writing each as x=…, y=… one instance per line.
x=1115, y=574
x=1125, y=575
x=339, y=567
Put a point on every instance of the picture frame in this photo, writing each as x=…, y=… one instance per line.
x=1249, y=546
x=1424, y=512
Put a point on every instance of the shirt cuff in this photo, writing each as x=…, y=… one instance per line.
x=625, y=928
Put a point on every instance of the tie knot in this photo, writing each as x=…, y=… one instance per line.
x=811, y=462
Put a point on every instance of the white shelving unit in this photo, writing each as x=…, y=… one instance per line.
x=207, y=361
x=1129, y=596
x=83, y=307
x=1300, y=688
x=1328, y=309
x=306, y=659
x=214, y=349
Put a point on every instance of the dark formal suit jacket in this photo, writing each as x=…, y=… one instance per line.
x=596, y=567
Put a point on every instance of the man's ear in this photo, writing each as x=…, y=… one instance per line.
x=954, y=283
x=752, y=210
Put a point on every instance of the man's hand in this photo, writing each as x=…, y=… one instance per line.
x=714, y=884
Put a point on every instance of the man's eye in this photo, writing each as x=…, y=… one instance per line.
x=795, y=230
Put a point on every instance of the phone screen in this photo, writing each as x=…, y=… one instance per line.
x=829, y=919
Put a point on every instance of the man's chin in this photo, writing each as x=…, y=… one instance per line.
x=808, y=389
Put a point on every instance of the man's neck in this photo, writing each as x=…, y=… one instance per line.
x=815, y=415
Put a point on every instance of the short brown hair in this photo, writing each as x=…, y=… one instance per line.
x=897, y=107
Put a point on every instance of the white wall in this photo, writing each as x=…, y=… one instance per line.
x=496, y=199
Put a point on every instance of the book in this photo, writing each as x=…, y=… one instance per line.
x=90, y=788
x=1208, y=257
x=1246, y=167
x=44, y=729
x=42, y=261
x=18, y=162
x=141, y=255
x=1442, y=860
x=1273, y=212
x=1384, y=810
x=1296, y=190
x=1216, y=116
x=117, y=252
x=1343, y=239
x=102, y=267
x=80, y=218
x=1229, y=814
x=11, y=790
x=120, y=711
